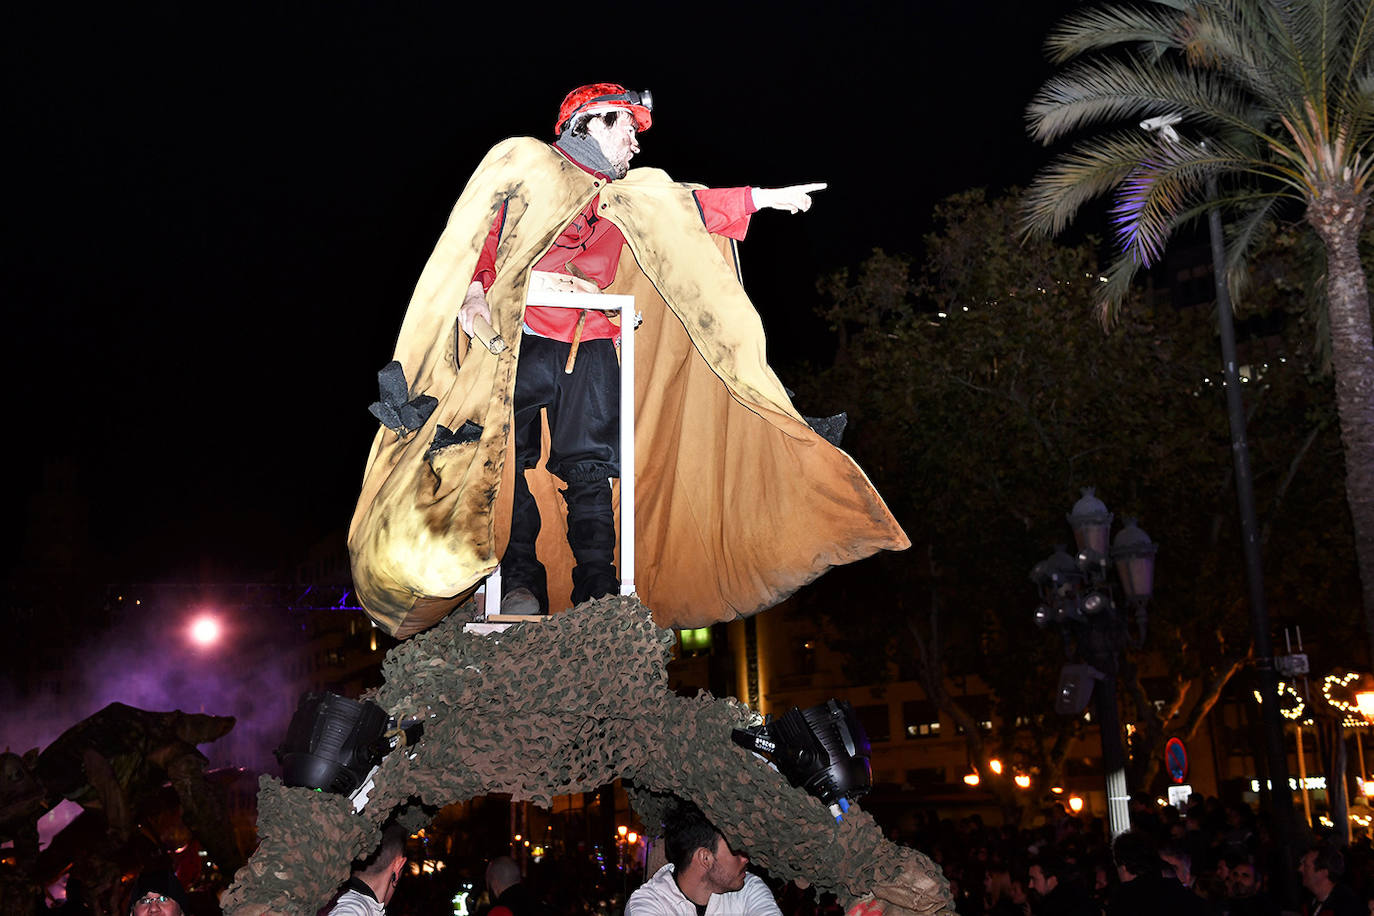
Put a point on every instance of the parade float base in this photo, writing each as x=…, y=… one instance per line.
x=566, y=706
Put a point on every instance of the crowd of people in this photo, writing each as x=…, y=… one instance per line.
x=1212, y=858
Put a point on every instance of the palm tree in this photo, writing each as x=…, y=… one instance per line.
x=1282, y=94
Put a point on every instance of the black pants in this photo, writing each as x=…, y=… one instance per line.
x=584, y=450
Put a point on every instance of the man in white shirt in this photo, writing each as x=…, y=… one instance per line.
x=703, y=877
x=373, y=882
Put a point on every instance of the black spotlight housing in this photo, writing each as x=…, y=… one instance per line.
x=333, y=743
x=822, y=749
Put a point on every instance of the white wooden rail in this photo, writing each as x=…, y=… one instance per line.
x=491, y=590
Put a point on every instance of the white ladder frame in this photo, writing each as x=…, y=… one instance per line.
x=628, y=319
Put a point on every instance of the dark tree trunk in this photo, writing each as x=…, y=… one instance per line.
x=1337, y=213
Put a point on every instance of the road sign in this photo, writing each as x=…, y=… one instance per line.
x=1176, y=759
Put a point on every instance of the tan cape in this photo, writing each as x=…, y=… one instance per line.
x=738, y=501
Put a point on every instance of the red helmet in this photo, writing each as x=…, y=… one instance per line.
x=605, y=97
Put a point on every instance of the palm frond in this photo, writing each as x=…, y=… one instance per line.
x=1282, y=89
x=1359, y=26
x=1332, y=47
x=1242, y=234
x=1148, y=203
x=1101, y=91
x=1100, y=28
x=1085, y=172
x=1112, y=292
x=1166, y=190
x=1225, y=43
x=1296, y=33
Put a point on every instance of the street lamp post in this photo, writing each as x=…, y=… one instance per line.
x=1267, y=675
x=1078, y=595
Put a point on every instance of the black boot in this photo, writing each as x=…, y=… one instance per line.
x=520, y=567
x=591, y=535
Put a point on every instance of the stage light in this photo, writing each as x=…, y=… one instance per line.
x=205, y=631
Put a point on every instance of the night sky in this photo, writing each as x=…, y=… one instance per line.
x=216, y=214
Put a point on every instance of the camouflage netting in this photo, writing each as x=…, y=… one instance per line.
x=563, y=706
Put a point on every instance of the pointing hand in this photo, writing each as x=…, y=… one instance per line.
x=792, y=199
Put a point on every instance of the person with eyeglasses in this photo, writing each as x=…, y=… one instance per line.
x=157, y=892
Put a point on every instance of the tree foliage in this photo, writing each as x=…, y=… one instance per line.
x=982, y=397
x=1254, y=108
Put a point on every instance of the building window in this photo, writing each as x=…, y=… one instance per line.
x=980, y=709
x=921, y=719
x=694, y=641
x=925, y=777
x=874, y=721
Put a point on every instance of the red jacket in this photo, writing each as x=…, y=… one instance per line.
x=593, y=244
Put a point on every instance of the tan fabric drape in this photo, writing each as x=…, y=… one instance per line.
x=739, y=502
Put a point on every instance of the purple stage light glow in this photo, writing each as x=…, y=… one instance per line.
x=1134, y=204
x=149, y=660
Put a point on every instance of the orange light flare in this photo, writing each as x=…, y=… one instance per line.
x=1022, y=780
x=1075, y=804
x=1365, y=701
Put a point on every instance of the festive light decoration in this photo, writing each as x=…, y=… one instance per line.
x=1291, y=705
x=1337, y=690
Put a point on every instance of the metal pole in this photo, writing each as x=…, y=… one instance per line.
x=1281, y=799
x=627, y=445
x=1113, y=756
x=1302, y=780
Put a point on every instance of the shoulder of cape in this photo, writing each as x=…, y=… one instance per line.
x=508, y=168
x=519, y=159
x=653, y=178
x=526, y=153
x=520, y=148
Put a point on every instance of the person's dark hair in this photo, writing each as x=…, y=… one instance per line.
x=1178, y=851
x=1329, y=860
x=502, y=874
x=392, y=845
x=686, y=830
x=578, y=125
x=1051, y=865
x=1234, y=857
x=1135, y=852
x=159, y=881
